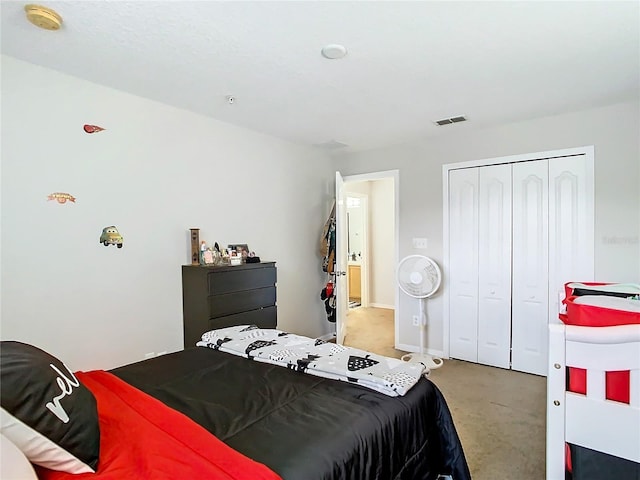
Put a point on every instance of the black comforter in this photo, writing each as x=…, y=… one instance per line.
x=304, y=427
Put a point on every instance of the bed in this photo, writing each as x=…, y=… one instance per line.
x=265, y=422
x=593, y=423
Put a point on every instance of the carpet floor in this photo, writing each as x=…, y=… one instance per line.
x=499, y=414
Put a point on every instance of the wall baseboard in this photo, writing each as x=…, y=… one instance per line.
x=382, y=305
x=327, y=336
x=413, y=349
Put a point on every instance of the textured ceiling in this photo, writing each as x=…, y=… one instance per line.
x=408, y=63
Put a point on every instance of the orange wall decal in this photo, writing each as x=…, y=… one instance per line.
x=61, y=197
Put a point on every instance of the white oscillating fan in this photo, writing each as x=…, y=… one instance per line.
x=419, y=277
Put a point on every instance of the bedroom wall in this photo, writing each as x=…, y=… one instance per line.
x=155, y=172
x=613, y=130
x=382, y=243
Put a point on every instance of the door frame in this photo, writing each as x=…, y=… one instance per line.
x=340, y=260
x=381, y=175
x=589, y=153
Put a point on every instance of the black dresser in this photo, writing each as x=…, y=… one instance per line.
x=218, y=297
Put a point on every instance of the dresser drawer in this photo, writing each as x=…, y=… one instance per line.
x=239, y=280
x=262, y=318
x=227, y=304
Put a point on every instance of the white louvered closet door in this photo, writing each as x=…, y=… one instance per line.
x=494, y=266
x=571, y=226
x=463, y=267
x=530, y=267
x=517, y=233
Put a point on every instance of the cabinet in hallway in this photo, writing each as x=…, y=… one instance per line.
x=517, y=232
x=355, y=282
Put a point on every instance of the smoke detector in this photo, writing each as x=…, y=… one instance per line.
x=333, y=51
x=43, y=17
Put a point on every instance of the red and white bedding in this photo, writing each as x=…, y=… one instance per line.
x=602, y=399
x=594, y=304
x=601, y=304
x=142, y=438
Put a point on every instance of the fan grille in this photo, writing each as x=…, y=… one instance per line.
x=418, y=276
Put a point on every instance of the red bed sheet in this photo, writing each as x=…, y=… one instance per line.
x=142, y=438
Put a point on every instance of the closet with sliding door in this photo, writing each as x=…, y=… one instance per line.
x=516, y=229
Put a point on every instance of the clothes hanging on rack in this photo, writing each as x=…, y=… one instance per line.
x=328, y=252
x=328, y=242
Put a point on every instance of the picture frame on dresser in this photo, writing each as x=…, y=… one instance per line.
x=241, y=249
x=224, y=296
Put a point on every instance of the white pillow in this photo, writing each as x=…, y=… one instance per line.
x=14, y=465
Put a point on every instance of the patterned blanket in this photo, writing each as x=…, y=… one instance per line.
x=386, y=375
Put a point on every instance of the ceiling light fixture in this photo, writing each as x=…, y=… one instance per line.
x=43, y=17
x=333, y=51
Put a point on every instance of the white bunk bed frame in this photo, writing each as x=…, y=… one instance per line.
x=591, y=420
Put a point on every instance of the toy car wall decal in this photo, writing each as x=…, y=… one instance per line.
x=61, y=197
x=92, y=128
x=111, y=236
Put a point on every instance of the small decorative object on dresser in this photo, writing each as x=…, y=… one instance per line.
x=203, y=248
x=224, y=296
x=195, y=246
x=240, y=248
x=208, y=257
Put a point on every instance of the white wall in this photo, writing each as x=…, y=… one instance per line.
x=613, y=130
x=155, y=172
x=382, y=223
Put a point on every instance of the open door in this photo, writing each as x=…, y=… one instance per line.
x=341, y=261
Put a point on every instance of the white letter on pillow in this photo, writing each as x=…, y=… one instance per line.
x=66, y=387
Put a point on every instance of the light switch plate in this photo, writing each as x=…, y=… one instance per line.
x=420, y=242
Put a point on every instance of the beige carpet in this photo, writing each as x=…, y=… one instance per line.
x=499, y=414
x=371, y=329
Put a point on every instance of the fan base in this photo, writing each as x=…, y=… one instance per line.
x=427, y=360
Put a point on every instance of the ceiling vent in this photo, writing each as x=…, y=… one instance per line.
x=447, y=121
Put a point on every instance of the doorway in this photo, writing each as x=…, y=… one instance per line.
x=371, y=202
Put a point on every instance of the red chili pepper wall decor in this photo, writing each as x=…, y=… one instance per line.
x=92, y=128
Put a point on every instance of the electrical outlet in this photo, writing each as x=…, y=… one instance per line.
x=149, y=355
x=416, y=321
x=420, y=243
